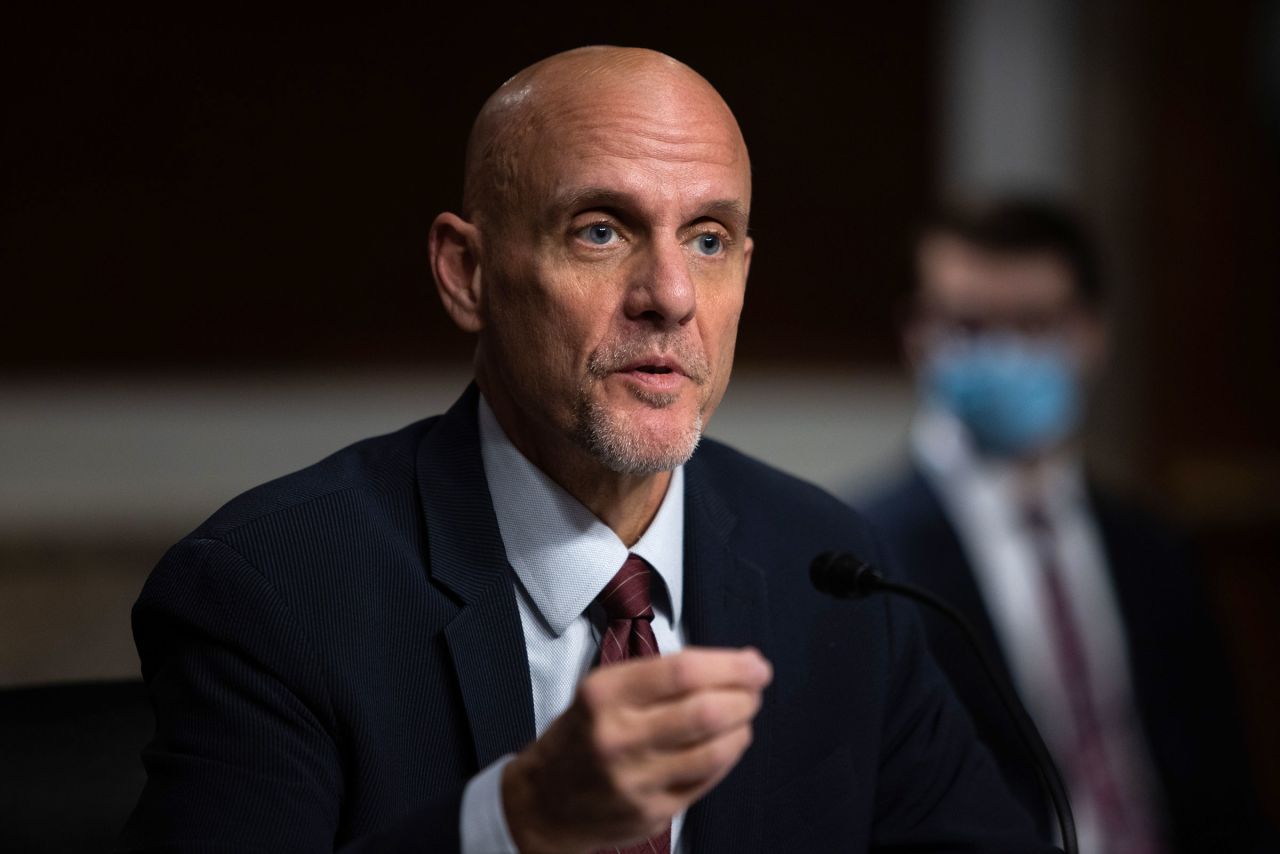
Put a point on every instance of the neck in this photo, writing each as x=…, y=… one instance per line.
x=1032, y=470
x=627, y=503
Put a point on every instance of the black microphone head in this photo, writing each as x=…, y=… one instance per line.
x=844, y=575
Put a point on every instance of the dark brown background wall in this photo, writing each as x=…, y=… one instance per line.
x=1206, y=90
x=213, y=193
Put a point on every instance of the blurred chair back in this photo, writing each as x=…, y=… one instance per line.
x=70, y=764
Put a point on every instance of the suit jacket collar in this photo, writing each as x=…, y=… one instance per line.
x=724, y=606
x=467, y=558
x=948, y=572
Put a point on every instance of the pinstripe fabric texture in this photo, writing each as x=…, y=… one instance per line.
x=334, y=655
x=628, y=607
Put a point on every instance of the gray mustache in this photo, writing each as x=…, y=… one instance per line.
x=616, y=355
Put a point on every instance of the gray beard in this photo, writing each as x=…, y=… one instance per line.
x=618, y=449
x=607, y=436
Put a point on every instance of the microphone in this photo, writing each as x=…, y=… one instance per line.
x=846, y=576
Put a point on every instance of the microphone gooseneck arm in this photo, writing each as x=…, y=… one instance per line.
x=846, y=576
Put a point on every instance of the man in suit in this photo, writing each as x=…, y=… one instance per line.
x=394, y=649
x=1091, y=602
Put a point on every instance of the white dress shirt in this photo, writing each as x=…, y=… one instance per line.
x=985, y=500
x=563, y=556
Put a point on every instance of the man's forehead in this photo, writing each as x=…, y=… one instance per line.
x=670, y=125
x=960, y=274
x=638, y=150
x=629, y=121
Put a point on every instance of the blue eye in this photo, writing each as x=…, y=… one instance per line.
x=709, y=244
x=599, y=234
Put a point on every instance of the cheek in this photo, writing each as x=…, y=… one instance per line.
x=720, y=335
x=549, y=327
x=574, y=320
x=722, y=313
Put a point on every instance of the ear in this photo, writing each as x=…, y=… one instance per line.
x=455, y=264
x=748, y=249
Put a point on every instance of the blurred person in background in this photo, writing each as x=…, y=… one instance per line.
x=1091, y=602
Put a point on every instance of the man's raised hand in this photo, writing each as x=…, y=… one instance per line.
x=642, y=741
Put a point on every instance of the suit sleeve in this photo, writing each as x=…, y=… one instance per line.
x=939, y=789
x=248, y=752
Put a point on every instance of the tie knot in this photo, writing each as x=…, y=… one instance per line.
x=626, y=596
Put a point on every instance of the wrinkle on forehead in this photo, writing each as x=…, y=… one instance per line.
x=660, y=129
x=623, y=101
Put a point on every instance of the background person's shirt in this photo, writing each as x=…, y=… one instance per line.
x=563, y=556
x=986, y=503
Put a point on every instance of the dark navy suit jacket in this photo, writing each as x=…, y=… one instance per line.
x=333, y=655
x=1180, y=681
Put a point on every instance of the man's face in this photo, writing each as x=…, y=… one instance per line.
x=1003, y=343
x=612, y=289
x=966, y=291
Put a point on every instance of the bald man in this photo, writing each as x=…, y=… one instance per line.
x=542, y=622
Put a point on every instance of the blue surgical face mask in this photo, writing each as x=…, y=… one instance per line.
x=1015, y=395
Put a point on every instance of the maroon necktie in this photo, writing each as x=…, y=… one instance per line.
x=629, y=609
x=1124, y=822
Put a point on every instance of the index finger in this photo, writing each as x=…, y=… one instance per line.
x=648, y=680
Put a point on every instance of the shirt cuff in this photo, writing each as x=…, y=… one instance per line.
x=483, y=820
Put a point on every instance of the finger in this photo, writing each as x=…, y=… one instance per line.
x=631, y=734
x=646, y=680
x=690, y=719
x=669, y=782
x=700, y=766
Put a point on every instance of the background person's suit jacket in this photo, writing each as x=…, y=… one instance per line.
x=1180, y=681
x=334, y=654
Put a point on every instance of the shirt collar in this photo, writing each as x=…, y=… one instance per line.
x=943, y=449
x=562, y=554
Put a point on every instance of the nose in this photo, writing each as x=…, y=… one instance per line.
x=661, y=291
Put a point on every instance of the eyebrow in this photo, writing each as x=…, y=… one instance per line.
x=730, y=211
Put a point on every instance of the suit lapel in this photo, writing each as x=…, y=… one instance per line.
x=466, y=556
x=944, y=569
x=725, y=606
x=725, y=598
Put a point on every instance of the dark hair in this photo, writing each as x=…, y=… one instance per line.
x=1016, y=225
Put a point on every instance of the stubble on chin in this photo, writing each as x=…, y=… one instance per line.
x=611, y=437
x=622, y=447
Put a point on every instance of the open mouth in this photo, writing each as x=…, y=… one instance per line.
x=656, y=376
